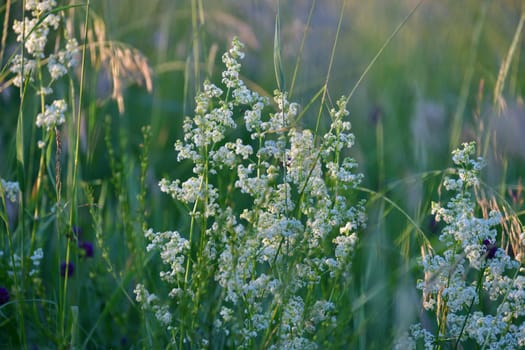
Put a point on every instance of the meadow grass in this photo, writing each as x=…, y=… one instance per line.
x=287, y=217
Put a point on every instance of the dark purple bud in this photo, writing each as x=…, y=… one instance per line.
x=516, y=194
x=75, y=233
x=433, y=225
x=491, y=248
x=4, y=295
x=68, y=268
x=376, y=115
x=86, y=249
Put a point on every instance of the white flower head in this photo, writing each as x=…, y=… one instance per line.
x=56, y=69
x=23, y=69
x=40, y=6
x=11, y=189
x=52, y=116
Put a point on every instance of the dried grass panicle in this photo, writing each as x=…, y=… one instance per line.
x=427, y=276
x=128, y=66
x=123, y=64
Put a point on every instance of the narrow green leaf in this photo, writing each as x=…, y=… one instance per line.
x=277, y=63
x=20, y=147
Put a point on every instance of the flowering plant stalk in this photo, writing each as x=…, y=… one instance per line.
x=265, y=260
x=47, y=53
x=473, y=289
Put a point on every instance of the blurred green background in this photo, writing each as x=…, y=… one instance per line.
x=432, y=88
x=414, y=89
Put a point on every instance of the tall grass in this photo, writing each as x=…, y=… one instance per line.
x=81, y=166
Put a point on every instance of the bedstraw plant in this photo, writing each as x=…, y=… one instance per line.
x=265, y=261
x=47, y=52
x=473, y=290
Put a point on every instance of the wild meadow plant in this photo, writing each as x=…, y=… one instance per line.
x=473, y=289
x=266, y=259
x=47, y=52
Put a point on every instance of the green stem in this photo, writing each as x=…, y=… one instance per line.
x=478, y=289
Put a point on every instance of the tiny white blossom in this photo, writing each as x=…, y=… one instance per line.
x=56, y=69
x=11, y=189
x=37, y=256
x=22, y=71
x=52, y=116
x=40, y=6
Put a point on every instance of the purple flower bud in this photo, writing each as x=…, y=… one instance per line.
x=491, y=248
x=75, y=232
x=86, y=249
x=4, y=295
x=68, y=268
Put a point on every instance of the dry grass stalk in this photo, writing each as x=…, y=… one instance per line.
x=511, y=227
x=124, y=64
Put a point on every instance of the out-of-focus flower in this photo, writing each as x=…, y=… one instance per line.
x=67, y=268
x=86, y=249
x=11, y=189
x=4, y=295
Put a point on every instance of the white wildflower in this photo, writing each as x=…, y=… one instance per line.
x=270, y=220
x=39, y=6
x=22, y=71
x=56, y=69
x=11, y=189
x=470, y=250
x=37, y=256
x=52, y=116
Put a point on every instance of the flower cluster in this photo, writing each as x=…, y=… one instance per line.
x=475, y=288
x=33, y=33
x=294, y=232
x=36, y=258
x=173, y=249
x=10, y=189
x=52, y=116
x=11, y=269
x=151, y=302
